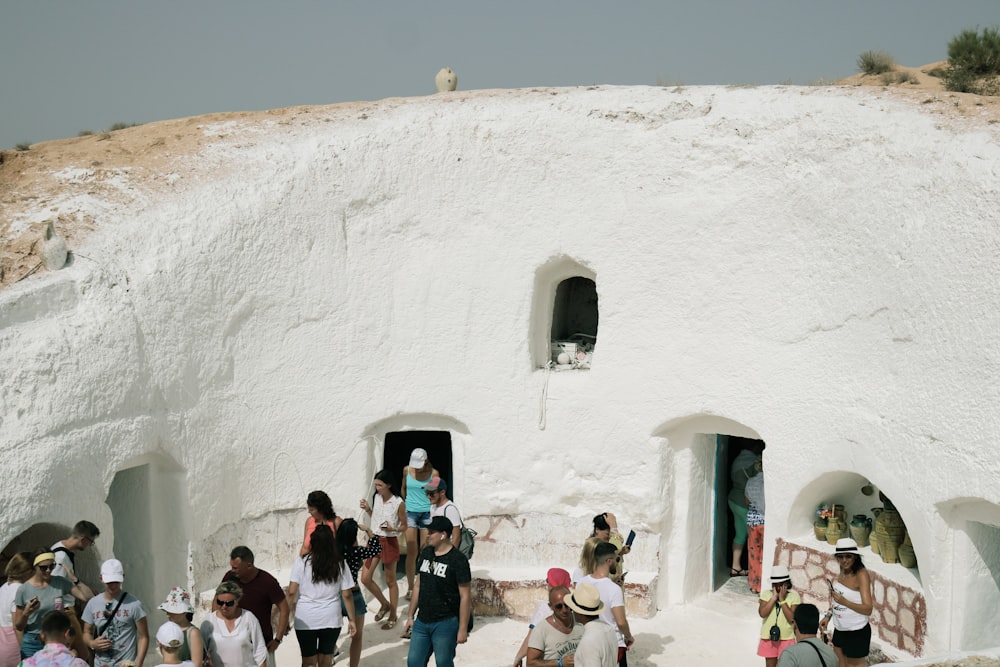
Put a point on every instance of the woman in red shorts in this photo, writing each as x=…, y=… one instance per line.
x=388, y=521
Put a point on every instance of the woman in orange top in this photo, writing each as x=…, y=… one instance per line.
x=320, y=512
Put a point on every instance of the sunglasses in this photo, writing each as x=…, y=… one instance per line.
x=46, y=568
x=559, y=605
x=226, y=603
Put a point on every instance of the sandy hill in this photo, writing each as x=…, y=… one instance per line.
x=124, y=167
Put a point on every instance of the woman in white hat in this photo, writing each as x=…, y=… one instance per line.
x=851, y=602
x=416, y=476
x=179, y=611
x=777, y=607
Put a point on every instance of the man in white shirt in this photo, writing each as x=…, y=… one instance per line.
x=613, y=609
x=437, y=493
x=598, y=646
x=84, y=535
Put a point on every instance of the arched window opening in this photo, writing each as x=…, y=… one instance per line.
x=574, y=323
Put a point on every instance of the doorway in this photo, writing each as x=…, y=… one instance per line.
x=399, y=444
x=742, y=452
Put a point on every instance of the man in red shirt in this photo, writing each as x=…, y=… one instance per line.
x=261, y=592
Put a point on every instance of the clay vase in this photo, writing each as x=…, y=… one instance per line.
x=861, y=528
x=835, y=529
x=891, y=530
x=820, y=529
x=875, y=542
x=446, y=80
x=907, y=558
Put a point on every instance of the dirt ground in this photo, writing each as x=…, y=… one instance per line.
x=108, y=166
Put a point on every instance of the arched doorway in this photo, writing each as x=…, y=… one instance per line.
x=695, y=541
x=148, y=502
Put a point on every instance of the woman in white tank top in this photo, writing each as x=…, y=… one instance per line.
x=851, y=605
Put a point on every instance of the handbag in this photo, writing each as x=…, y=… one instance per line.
x=467, y=536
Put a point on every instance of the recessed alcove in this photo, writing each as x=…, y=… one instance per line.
x=899, y=617
x=565, y=315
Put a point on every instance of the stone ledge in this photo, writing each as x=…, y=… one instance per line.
x=516, y=593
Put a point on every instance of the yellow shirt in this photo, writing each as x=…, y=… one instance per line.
x=791, y=599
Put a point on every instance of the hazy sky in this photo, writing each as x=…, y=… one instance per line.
x=72, y=65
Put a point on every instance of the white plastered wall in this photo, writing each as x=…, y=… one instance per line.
x=815, y=265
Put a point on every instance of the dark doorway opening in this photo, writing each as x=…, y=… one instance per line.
x=728, y=448
x=399, y=445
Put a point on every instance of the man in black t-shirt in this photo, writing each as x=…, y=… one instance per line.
x=442, y=599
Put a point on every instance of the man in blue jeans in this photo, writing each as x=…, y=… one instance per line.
x=442, y=599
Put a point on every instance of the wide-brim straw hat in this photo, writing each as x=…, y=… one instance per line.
x=585, y=600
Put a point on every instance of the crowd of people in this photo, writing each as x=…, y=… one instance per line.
x=40, y=624
x=49, y=617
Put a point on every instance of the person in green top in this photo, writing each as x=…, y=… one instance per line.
x=744, y=466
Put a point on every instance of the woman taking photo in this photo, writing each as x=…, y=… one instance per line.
x=388, y=517
x=178, y=609
x=320, y=512
x=39, y=595
x=777, y=607
x=233, y=635
x=355, y=555
x=418, y=509
x=317, y=581
x=851, y=602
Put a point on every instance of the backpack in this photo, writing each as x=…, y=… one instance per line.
x=467, y=542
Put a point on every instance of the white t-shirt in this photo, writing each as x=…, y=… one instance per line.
x=319, y=603
x=7, y=593
x=448, y=511
x=597, y=647
x=611, y=596
x=553, y=643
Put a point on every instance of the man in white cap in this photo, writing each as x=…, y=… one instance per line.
x=170, y=638
x=114, y=623
x=598, y=646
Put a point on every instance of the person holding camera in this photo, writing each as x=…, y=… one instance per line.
x=777, y=609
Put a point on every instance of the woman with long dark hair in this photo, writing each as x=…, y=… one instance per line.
x=388, y=521
x=320, y=512
x=355, y=555
x=317, y=580
x=851, y=602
